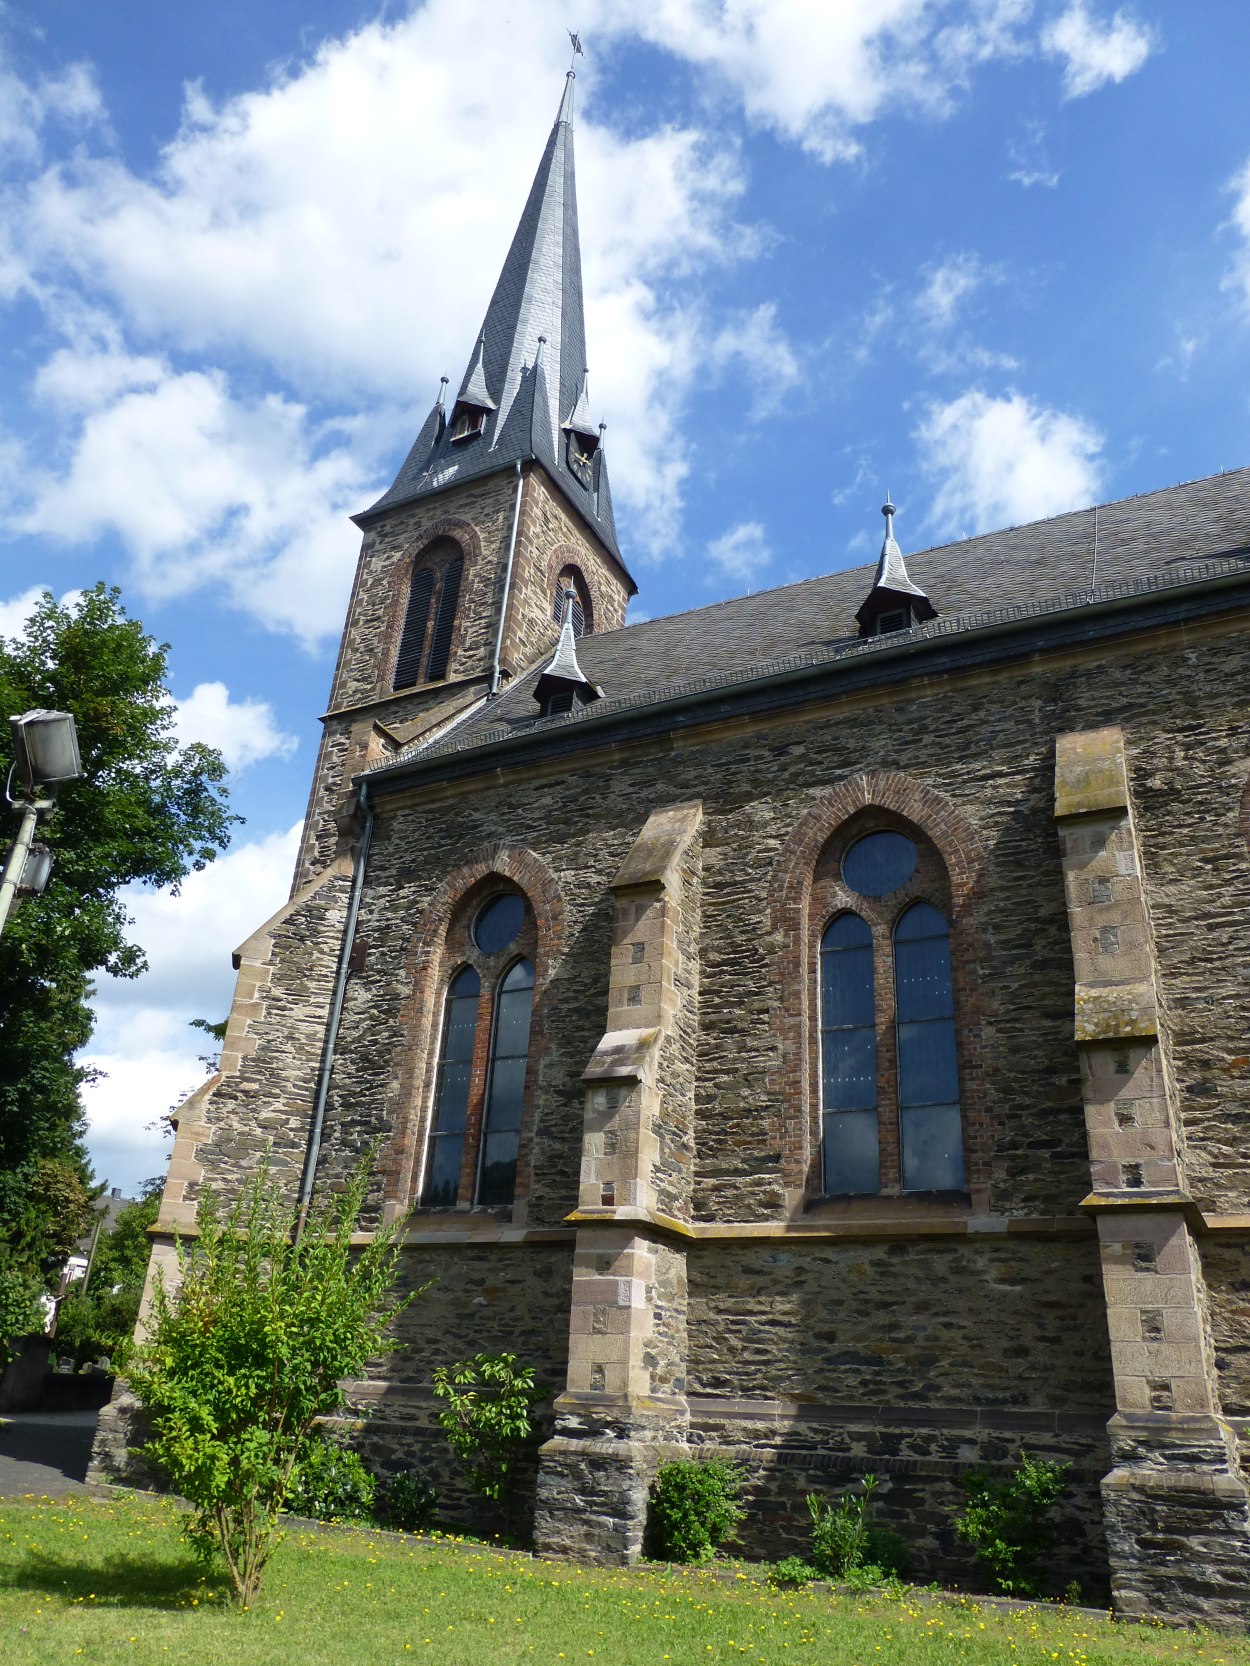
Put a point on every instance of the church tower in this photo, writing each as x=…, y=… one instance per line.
x=500, y=508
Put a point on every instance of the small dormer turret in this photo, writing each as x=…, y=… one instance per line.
x=894, y=603
x=562, y=685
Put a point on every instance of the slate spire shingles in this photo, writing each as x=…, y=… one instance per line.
x=539, y=293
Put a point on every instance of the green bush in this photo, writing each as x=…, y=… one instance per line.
x=246, y=1356
x=846, y=1542
x=330, y=1483
x=405, y=1502
x=1009, y=1523
x=792, y=1570
x=695, y=1508
x=488, y=1419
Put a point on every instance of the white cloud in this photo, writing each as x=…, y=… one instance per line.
x=948, y=285
x=1096, y=54
x=72, y=97
x=205, y=488
x=1238, y=277
x=1031, y=164
x=15, y=613
x=817, y=72
x=755, y=342
x=1003, y=461
x=243, y=731
x=742, y=553
x=143, y=1038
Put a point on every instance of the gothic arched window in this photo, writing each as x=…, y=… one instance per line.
x=478, y=1101
x=889, y=1077
x=438, y=573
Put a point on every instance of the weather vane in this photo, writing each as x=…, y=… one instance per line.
x=576, y=41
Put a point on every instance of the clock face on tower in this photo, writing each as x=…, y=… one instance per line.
x=579, y=460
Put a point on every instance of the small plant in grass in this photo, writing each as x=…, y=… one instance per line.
x=791, y=1571
x=1009, y=1523
x=246, y=1355
x=330, y=1483
x=847, y=1544
x=405, y=1502
x=695, y=1508
x=488, y=1418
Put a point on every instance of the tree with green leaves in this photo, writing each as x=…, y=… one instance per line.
x=247, y=1354
x=97, y=1315
x=147, y=811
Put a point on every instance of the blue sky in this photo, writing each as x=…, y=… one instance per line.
x=992, y=254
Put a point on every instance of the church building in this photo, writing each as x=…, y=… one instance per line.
x=813, y=1028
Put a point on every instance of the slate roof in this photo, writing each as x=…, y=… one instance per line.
x=1184, y=535
x=528, y=360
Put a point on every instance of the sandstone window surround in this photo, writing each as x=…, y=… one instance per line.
x=425, y=639
x=479, y=1093
x=885, y=1045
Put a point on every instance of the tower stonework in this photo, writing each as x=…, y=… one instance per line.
x=368, y=720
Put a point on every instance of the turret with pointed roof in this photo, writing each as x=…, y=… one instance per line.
x=524, y=393
x=894, y=602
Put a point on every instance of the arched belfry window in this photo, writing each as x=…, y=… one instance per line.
x=430, y=615
x=570, y=578
x=890, y=1116
x=478, y=1103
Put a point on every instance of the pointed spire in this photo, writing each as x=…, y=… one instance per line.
x=523, y=391
x=473, y=390
x=563, y=676
x=579, y=420
x=894, y=602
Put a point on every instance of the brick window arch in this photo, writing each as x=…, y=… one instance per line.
x=478, y=1103
x=885, y=1044
x=887, y=995
x=571, y=577
x=425, y=638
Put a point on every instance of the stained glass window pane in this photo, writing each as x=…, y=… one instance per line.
x=927, y=1071
x=505, y=1094
x=922, y=972
x=451, y=1096
x=879, y=863
x=498, y=922
x=933, y=1158
x=850, y=1070
x=852, y=1163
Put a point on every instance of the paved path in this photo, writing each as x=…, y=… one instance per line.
x=45, y=1452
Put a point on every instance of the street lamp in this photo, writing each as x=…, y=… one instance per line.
x=45, y=746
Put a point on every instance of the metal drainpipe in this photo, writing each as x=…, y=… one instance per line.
x=507, y=584
x=336, y=1012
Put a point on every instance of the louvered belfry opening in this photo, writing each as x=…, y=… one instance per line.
x=440, y=642
x=437, y=575
x=416, y=621
x=571, y=578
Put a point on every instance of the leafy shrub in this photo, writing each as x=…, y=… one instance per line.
x=1009, y=1523
x=405, y=1502
x=846, y=1542
x=488, y=1418
x=247, y=1355
x=330, y=1483
x=792, y=1570
x=695, y=1508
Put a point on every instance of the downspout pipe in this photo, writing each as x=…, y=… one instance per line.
x=495, y=672
x=336, y=1012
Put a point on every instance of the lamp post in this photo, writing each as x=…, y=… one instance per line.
x=45, y=746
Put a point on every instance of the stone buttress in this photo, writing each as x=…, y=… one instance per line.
x=624, y=1409
x=1175, y=1483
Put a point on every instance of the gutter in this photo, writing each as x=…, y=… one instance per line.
x=313, y=1151
x=507, y=584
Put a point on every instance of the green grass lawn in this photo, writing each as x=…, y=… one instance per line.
x=113, y=1581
